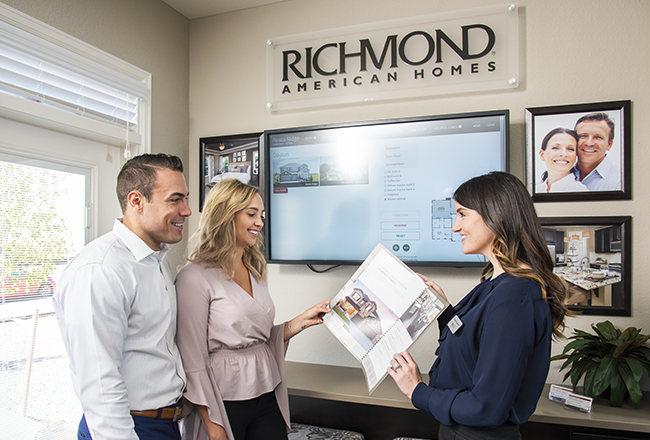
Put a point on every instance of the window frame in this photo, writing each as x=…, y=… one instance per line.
x=23, y=110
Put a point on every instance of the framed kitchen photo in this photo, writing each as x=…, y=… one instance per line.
x=579, y=152
x=592, y=254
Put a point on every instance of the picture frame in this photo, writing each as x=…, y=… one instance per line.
x=579, y=152
x=226, y=157
x=593, y=255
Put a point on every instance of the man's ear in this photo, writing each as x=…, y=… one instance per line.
x=135, y=200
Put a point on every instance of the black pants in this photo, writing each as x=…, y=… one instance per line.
x=507, y=431
x=256, y=419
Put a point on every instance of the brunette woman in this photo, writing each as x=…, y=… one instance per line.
x=495, y=344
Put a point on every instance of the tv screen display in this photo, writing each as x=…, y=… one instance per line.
x=333, y=192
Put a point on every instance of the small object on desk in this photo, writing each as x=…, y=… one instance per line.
x=570, y=399
x=579, y=402
x=558, y=393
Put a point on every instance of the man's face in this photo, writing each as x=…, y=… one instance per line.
x=593, y=142
x=162, y=217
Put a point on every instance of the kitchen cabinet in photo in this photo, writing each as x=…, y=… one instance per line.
x=592, y=254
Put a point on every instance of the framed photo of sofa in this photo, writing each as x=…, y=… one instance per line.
x=592, y=255
x=229, y=157
x=579, y=152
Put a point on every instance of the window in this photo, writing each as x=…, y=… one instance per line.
x=44, y=223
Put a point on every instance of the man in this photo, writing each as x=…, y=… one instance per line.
x=116, y=309
x=595, y=138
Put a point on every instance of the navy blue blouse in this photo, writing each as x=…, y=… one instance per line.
x=494, y=367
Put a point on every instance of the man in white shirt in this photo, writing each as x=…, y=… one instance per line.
x=116, y=308
x=595, y=138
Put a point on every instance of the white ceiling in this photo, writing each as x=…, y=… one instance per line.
x=204, y=8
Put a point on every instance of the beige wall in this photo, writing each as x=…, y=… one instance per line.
x=571, y=52
x=146, y=33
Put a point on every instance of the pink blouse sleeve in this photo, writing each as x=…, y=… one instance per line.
x=192, y=338
x=279, y=349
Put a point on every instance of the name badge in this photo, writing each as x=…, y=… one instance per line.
x=454, y=324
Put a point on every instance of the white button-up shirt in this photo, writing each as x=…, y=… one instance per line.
x=605, y=177
x=116, y=308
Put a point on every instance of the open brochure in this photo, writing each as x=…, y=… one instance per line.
x=381, y=311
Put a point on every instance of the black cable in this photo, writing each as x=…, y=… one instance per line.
x=322, y=271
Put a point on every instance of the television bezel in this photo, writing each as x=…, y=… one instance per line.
x=267, y=184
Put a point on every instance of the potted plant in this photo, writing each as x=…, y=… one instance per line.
x=609, y=360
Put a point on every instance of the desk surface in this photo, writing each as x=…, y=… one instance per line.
x=348, y=384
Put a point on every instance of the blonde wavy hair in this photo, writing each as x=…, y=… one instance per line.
x=214, y=242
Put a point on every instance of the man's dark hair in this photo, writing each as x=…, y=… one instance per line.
x=139, y=174
x=598, y=116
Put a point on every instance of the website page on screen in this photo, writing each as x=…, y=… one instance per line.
x=335, y=193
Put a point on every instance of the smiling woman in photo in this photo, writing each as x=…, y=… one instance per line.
x=559, y=152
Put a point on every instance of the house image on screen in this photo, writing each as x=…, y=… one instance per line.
x=294, y=172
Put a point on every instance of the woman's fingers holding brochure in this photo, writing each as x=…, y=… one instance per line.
x=311, y=316
x=314, y=315
x=433, y=285
x=405, y=372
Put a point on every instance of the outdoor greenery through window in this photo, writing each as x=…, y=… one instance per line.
x=43, y=224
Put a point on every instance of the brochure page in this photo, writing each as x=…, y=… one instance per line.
x=381, y=311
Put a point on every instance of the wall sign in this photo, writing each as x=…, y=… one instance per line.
x=459, y=51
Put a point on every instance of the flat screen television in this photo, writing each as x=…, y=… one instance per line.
x=333, y=192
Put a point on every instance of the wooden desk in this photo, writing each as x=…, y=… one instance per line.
x=318, y=388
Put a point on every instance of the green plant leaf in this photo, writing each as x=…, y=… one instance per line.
x=605, y=373
x=580, y=368
x=644, y=351
x=617, y=391
x=631, y=383
x=577, y=344
x=630, y=334
x=637, y=345
x=636, y=368
x=623, y=347
x=606, y=330
x=582, y=333
x=589, y=383
x=574, y=357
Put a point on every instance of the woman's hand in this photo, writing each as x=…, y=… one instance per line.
x=215, y=431
x=405, y=372
x=433, y=285
x=311, y=316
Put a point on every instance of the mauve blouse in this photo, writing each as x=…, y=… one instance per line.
x=230, y=347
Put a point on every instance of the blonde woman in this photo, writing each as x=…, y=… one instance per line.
x=232, y=351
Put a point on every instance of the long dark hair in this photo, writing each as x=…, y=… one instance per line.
x=507, y=210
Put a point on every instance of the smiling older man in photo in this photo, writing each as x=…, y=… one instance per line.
x=595, y=138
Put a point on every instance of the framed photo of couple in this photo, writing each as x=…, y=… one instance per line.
x=579, y=152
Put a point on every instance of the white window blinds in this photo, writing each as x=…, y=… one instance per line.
x=36, y=69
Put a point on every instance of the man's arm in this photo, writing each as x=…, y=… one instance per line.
x=93, y=309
